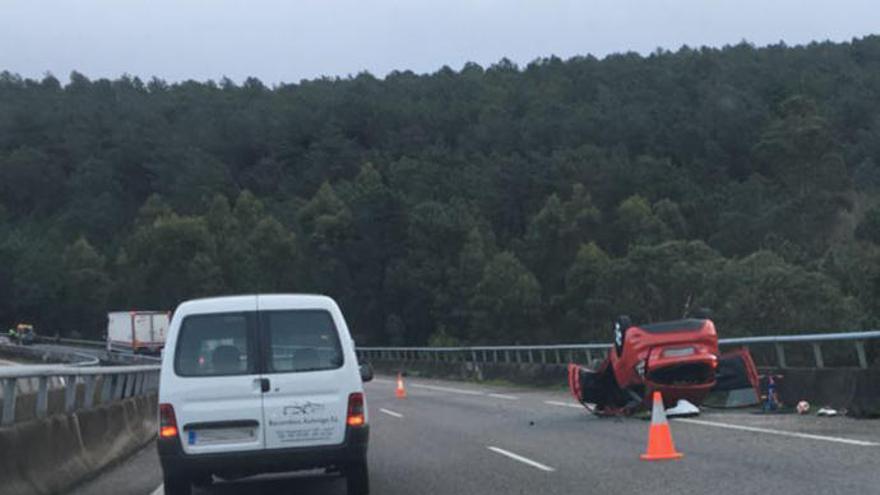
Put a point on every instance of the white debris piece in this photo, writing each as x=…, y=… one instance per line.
x=682, y=409
x=826, y=411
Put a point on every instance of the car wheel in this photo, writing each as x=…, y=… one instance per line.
x=203, y=480
x=621, y=325
x=177, y=485
x=357, y=479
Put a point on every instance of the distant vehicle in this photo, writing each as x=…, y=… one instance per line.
x=680, y=359
x=139, y=331
x=26, y=334
x=258, y=384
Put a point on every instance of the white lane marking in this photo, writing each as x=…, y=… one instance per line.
x=503, y=396
x=521, y=459
x=563, y=404
x=447, y=389
x=159, y=491
x=391, y=413
x=808, y=436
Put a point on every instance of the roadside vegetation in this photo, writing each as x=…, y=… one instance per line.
x=483, y=205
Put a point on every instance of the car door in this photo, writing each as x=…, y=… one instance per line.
x=217, y=389
x=309, y=378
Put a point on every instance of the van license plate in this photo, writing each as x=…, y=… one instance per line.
x=222, y=435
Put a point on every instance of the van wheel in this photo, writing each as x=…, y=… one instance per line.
x=203, y=481
x=357, y=479
x=177, y=485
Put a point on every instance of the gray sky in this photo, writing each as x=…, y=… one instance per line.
x=288, y=40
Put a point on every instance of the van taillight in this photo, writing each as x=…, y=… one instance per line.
x=356, y=416
x=167, y=421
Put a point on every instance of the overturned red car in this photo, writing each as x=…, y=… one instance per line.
x=678, y=358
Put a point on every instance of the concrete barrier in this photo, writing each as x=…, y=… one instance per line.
x=523, y=373
x=51, y=455
x=855, y=390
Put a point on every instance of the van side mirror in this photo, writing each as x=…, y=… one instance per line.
x=366, y=372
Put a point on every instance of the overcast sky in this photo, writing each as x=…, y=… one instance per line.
x=289, y=40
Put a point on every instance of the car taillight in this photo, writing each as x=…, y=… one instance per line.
x=167, y=421
x=356, y=416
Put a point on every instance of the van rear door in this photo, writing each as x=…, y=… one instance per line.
x=310, y=380
x=217, y=390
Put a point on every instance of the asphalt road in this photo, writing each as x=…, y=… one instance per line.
x=454, y=438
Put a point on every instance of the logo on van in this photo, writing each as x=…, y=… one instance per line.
x=301, y=409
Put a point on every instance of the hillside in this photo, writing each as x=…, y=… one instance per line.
x=498, y=204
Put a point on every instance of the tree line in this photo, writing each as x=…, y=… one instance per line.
x=502, y=204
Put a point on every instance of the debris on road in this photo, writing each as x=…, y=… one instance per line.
x=826, y=412
x=803, y=407
x=683, y=409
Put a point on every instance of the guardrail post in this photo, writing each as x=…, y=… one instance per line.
x=106, y=388
x=118, y=386
x=138, y=388
x=43, y=397
x=8, y=401
x=589, y=356
x=543, y=357
x=531, y=357
x=860, y=350
x=817, y=354
x=558, y=357
x=474, y=357
x=780, y=355
x=506, y=356
x=70, y=394
x=89, y=398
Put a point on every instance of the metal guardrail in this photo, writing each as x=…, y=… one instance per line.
x=75, y=342
x=561, y=354
x=115, y=382
x=68, y=356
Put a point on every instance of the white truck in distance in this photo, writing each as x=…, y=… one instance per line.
x=137, y=331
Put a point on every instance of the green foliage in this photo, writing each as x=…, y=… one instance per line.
x=499, y=204
x=869, y=228
x=507, y=304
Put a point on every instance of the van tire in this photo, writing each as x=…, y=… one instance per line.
x=177, y=485
x=203, y=480
x=357, y=479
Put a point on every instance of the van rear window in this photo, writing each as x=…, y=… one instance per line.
x=214, y=345
x=301, y=340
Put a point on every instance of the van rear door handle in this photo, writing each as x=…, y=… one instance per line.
x=264, y=385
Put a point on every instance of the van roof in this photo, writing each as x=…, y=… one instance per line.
x=212, y=304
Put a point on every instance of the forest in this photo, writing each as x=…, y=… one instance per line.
x=502, y=204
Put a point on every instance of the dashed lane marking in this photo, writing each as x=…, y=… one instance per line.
x=521, y=459
x=447, y=389
x=391, y=413
x=563, y=404
x=503, y=396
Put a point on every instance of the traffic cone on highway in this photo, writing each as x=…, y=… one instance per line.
x=401, y=391
x=660, y=446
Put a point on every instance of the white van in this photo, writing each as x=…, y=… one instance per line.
x=261, y=383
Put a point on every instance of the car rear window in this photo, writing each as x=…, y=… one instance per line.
x=301, y=340
x=214, y=345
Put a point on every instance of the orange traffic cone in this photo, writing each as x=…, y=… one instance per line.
x=660, y=446
x=401, y=391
